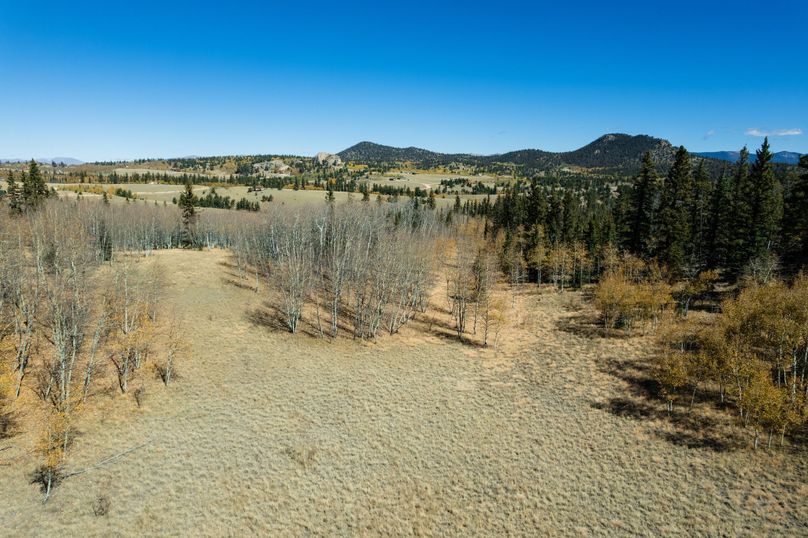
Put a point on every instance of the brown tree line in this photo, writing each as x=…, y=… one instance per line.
x=751, y=355
x=80, y=313
x=754, y=354
x=367, y=268
x=69, y=317
x=473, y=272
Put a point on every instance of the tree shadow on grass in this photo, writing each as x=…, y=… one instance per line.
x=268, y=317
x=273, y=318
x=237, y=282
x=8, y=424
x=702, y=426
x=451, y=336
x=589, y=325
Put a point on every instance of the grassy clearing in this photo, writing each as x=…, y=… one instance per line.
x=266, y=433
x=165, y=193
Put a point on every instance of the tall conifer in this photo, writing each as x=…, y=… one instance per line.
x=673, y=244
x=765, y=201
x=643, y=206
x=699, y=215
x=795, y=221
x=719, y=236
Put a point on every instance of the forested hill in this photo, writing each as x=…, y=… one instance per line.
x=369, y=152
x=611, y=153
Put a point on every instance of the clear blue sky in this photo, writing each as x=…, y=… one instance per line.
x=99, y=80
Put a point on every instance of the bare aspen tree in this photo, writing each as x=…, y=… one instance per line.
x=460, y=284
x=130, y=321
x=175, y=345
x=24, y=291
x=97, y=340
x=484, y=273
x=494, y=318
x=337, y=250
x=293, y=270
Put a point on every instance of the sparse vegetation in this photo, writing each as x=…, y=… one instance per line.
x=715, y=333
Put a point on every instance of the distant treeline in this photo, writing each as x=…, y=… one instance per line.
x=687, y=221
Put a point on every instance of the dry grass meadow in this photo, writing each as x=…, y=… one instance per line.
x=265, y=433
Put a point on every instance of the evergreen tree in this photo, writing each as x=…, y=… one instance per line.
x=674, y=215
x=189, y=215
x=765, y=200
x=795, y=221
x=740, y=215
x=622, y=216
x=555, y=218
x=642, y=209
x=719, y=234
x=699, y=220
x=13, y=193
x=34, y=189
x=536, y=211
x=572, y=205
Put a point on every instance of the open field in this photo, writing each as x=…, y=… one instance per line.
x=424, y=180
x=273, y=434
x=165, y=193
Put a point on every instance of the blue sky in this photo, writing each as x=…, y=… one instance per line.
x=113, y=80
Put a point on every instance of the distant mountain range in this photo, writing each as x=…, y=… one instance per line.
x=610, y=154
x=782, y=157
x=46, y=160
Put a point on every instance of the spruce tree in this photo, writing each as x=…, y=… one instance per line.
x=536, y=211
x=699, y=215
x=555, y=218
x=795, y=221
x=719, y=236
x=740, y=215
x=569, y=231
x=673, y=244
x=13, y=193
x=765, y=201
x=643, y=201
x=189, y=215
x=34, y=188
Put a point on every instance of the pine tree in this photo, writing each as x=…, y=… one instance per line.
x=536, y=211
x=570, y=216
x=719, y=236
x=674, y=215
x=643, y=201
x=795, y=221
x=34, y=189
x=13, y=193
x=740, y=215
x=189, y=215
x=765, y=201
x=555, y=218
x=699, y=219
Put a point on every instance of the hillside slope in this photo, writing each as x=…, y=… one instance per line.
x=611, y=154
